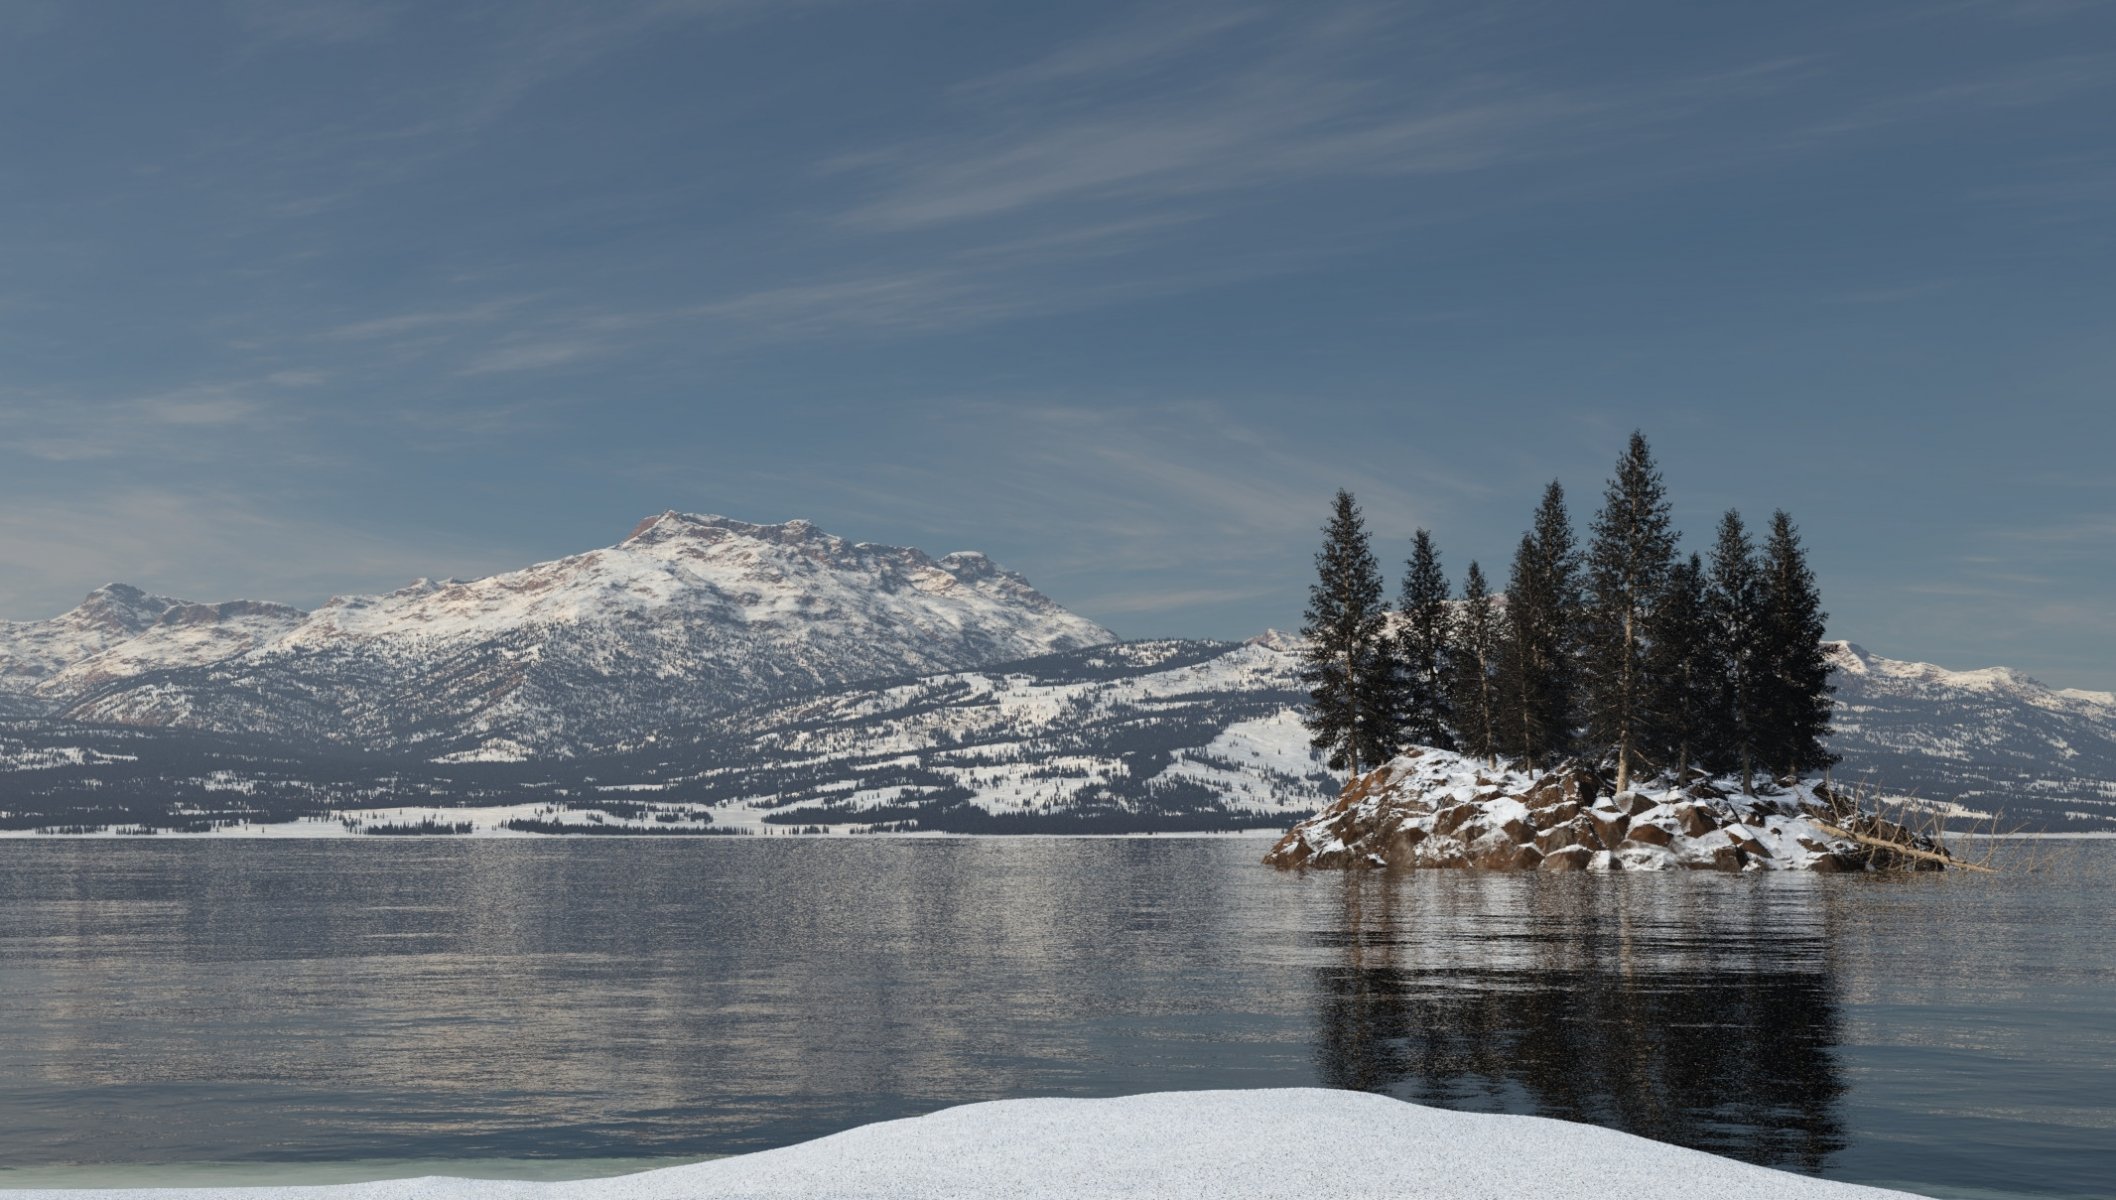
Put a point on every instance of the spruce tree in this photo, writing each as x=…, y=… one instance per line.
x=1735, y=602
x=1473, y=660
x=1347, y=665
x=1537, y=674
x=1558, y=559
x=1794, y=674
x=1683, y=667
x=1628, y=560
x=1422, y=648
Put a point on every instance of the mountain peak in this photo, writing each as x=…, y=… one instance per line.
x=673, y=524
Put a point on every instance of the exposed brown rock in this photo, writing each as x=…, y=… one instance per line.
x=1608, y=826
x=1451, y=819
x=1556, y=815
x=1648, y=834
x=1557, y=839
x=1696, y=820
x=1568, y=858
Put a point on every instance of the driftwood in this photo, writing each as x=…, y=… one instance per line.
x=1899, y=848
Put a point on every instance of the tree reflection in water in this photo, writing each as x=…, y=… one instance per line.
x=1695, y=1011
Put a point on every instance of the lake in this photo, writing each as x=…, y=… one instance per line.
x=251, y=1011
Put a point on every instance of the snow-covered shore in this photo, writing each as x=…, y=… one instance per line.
x=1232, y=1145
x=1433, y=808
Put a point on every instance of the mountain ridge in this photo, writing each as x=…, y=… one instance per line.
x=689, y=613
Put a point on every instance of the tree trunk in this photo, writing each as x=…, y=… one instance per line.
x=1623, y=721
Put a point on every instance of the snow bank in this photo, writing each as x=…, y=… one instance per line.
x=1250, y=1145
x=1432, y=808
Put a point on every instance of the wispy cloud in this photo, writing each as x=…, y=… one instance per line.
x=423, y=322
x=2028, y=85
x=1146, y=39
x=318, y=22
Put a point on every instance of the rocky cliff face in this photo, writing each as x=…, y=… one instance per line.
x=1430, y=808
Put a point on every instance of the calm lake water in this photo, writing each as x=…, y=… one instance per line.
x=338, y=1007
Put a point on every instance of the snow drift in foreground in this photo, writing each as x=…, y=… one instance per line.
x=1248, y=1145
x=1433, y=808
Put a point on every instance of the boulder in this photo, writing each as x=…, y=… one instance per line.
x=1451, y=818
x=1558, y=839
x=1696, y=820
x=1517, y=830
x=1608, y=826
x=1634, y=803
x=1566, y=858
x=1646, y=833
x=1556, y=815
x=1510, y=858
x=1748, y=842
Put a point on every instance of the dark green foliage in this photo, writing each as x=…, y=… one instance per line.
x=1793, y=675
x=1537, y=681
x=1473, y=659
x=1628, y=560
x=1423, y=709
x=1735, y=601
x=1348, y=667
x=1684, y=727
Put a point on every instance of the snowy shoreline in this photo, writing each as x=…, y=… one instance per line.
x=1237, y=1145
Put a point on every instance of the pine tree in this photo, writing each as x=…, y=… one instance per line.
x=1347, y=665
x=1537, y=674
x=1735, y=603
x=1422, y=648
x=1794, y=673
x=1628, y=559
x=1473, y=659
x=1683, y=666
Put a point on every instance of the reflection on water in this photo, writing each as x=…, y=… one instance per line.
x=1712, y=1026
x=215, y=1002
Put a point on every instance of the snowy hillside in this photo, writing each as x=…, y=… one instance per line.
x=689, y=615
x=1143, y=735
x=1991, y=741
x=1149, y=735
x=1140, y=736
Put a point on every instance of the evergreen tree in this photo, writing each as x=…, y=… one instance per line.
x=1537, y=676
x=1628, y=560
x=1348, y=665
x=1795, y=704
x=1735, y=602
x=1683, y=665
x=1422, y=648
x=1473, y=659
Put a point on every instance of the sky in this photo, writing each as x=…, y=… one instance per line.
x=305, y=297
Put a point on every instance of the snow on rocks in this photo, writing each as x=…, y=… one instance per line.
x=1230, y=1145
x=1432, y=808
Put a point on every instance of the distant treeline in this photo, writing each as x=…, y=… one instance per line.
x=1627, y=653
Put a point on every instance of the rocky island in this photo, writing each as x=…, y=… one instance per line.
x=1433, y=808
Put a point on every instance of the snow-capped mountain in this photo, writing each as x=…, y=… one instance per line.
x=1146, y=735
x=688, y=615
x=794, y=676
x=1993, y=741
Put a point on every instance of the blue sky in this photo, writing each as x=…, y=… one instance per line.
x=321, y=295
